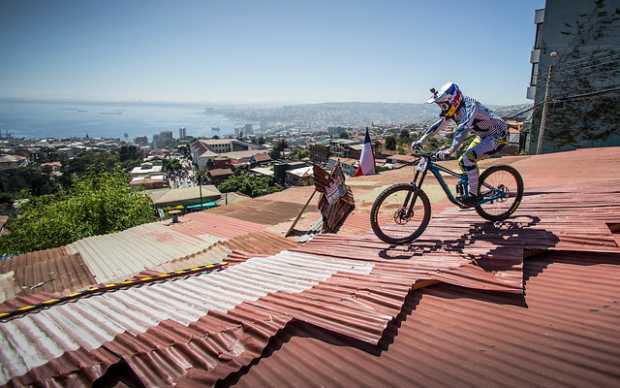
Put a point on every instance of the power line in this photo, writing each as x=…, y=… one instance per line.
x=592, y=74
x=574, y=68
x=514, y=116
x=593, y=58
x=594, y=93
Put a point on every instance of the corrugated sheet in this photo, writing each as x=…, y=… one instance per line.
x=208, y=223
x=263, y=211
x=563, y=333
x=355, y=292
x=267, y=284
x=260, y=243
x=117, y=255
x=52, y=270
x=257, y=243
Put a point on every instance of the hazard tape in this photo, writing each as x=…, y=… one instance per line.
x=135, y=281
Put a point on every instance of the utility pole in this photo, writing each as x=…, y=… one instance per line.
x=200, y=187
x=543, y=118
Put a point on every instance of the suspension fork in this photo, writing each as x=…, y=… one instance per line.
x=413, y=195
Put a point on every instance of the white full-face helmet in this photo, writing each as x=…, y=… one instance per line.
x=448, y=98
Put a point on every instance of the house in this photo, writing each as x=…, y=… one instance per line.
x=349, y=166
x=264, y=171
x=217, y=175
x=575, y=47
x=303, y=176
x=187, y=198
x=247, y=158
x=146, y=169
x=154, y=181
x=319, y=153
x=218, y=146
x=342, y=147
x=12, y=161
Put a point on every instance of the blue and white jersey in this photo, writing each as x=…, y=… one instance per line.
x=474, y=116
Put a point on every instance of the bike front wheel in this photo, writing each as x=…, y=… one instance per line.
x=496, y=179
x=392, y=217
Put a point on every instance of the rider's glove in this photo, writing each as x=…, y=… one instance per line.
x=416, y=144
x=444, y=154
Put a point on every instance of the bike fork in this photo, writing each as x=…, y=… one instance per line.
x=416, y=186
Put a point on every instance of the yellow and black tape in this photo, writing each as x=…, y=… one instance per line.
x=135, y=281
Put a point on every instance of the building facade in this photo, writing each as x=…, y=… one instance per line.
x=163, y=140
x=578, y=44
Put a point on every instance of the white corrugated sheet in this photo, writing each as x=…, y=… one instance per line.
x=37, y=338
x=117, y=255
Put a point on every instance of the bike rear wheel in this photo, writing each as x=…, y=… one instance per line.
x=389, y=218
x=507, y=180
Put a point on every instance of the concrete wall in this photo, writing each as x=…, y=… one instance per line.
x=586, y=35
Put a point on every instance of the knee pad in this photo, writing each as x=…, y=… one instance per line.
x=468, y=160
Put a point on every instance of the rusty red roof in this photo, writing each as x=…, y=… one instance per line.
x=359, y=294
x=562, y=333
x=52, y=270
x=209, y=222
x=260, y=243
x=264, y=211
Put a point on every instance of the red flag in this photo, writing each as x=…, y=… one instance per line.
x=367, y=158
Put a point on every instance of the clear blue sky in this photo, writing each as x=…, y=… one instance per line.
x=264, y=51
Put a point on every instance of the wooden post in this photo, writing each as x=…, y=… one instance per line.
x=303, y=209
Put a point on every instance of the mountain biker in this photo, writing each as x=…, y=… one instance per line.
x=468, y=114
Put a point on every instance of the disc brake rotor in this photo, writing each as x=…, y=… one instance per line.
x=400, y=216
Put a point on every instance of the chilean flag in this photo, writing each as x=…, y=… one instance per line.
x=367, y=159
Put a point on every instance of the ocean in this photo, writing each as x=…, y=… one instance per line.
x=43, y=120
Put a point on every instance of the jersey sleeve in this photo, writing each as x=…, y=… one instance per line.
x=439, y=124
x=461, y=131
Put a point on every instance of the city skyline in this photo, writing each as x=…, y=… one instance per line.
x=243, y=52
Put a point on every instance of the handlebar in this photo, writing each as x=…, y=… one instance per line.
x=422, y=154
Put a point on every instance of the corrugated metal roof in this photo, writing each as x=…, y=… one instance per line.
x=52, y=270
x=185, y=194
x=117, y=255
x=563, y=333
x=351, y=290
x=261, y=243
x=110, y=319
x=263, y=211
x=215, y=254
x=209, y=223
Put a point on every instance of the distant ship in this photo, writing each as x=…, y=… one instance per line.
x=112, y=113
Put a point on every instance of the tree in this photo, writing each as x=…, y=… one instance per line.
x=300, y=153
x=278, y=147
x=404, y=134
x=254, y=186
x=261, y=140
x=215, y=137
x=390, y=143
x=344, y=135
x=172, y=165
x=97, y=204
x=32, y=179
x=129, y=152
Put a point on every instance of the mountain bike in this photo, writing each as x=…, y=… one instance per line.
x=401, y=213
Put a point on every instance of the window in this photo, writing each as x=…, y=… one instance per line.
x=534, y=74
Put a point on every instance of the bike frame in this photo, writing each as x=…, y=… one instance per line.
x=436, y=170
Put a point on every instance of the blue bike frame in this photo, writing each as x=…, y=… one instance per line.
x=436, y=171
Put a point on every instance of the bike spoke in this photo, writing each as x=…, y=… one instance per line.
x=393, y=217
x=500, y=181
